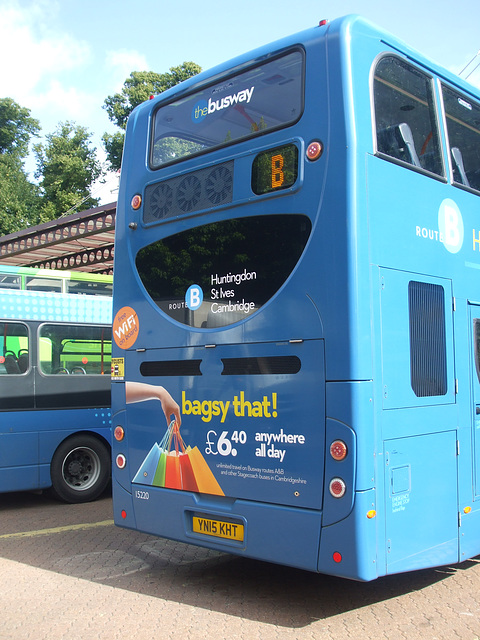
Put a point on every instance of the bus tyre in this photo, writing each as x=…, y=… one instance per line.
x=80, y=469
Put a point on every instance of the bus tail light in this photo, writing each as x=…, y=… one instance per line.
x=337, y=487
x=121, y=461
x=337, y=557
x=338, y=450
x=119, y=433
x=314, y=150
x=136, y=202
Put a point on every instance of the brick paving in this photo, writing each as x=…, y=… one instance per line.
x=72, y=574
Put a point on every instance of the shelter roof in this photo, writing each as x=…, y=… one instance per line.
x=79, y=242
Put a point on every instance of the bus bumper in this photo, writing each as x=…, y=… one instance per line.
x=279, y=534
x=349, y=548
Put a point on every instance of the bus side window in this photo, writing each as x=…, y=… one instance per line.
x=14, y=348
x=75, y=349
x=397, y=141
x=11, y=364
x=463, y=127
x=10, y=281
x=405, y=115
x=23, y=360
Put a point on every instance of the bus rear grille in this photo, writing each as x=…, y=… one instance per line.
x=195, y=191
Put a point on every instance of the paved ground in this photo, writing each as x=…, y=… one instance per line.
x=66, y=572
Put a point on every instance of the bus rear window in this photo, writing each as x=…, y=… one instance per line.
x=267, y=97
x=221, y=273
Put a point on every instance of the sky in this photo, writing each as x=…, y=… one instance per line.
x=62, y=58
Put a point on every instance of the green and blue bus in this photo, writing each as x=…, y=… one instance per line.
x=296, y=319
x=73, y=282
x=55, y=370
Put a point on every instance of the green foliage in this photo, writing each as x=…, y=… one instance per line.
x=19, y=199
x=172, y=148
x=113, y=144
x=138, y=88
x=16, y=128
x=167, y=265
x=67, y=166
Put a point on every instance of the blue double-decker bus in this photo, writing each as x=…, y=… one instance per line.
x=296, y=357
x=55, y=372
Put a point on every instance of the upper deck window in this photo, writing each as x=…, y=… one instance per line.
x=463, y=125
x=9, y=281
x=405, y=116
x=89, y=288
x=266, y=97
x=34, y=283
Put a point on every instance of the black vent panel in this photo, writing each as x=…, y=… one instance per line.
x=263, y=366
x=428, y=350
x=195, y=191
x=171, y=368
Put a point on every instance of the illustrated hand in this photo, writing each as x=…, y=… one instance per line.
x=140, y=392
x=169, y=406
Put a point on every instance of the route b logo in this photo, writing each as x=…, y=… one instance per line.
x=194, y=297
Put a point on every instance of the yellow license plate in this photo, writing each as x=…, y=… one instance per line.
x=218, y=528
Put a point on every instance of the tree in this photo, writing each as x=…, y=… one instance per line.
x=67, y=166
x=114, y=147
x=19, y=198
x=137, y=88
x=16, y=128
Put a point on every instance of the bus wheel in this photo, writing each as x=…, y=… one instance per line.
x=80, y=469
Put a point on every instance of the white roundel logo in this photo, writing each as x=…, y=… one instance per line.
x=450, y=225
x=194, y=297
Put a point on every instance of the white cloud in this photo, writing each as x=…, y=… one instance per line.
x=121, y=63
x=31, y=54
x=69, y=103
x=51, y=73
x=46, y=69
x=59, y=76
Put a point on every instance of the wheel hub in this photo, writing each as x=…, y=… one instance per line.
x=75, y=468
x=81, y=468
